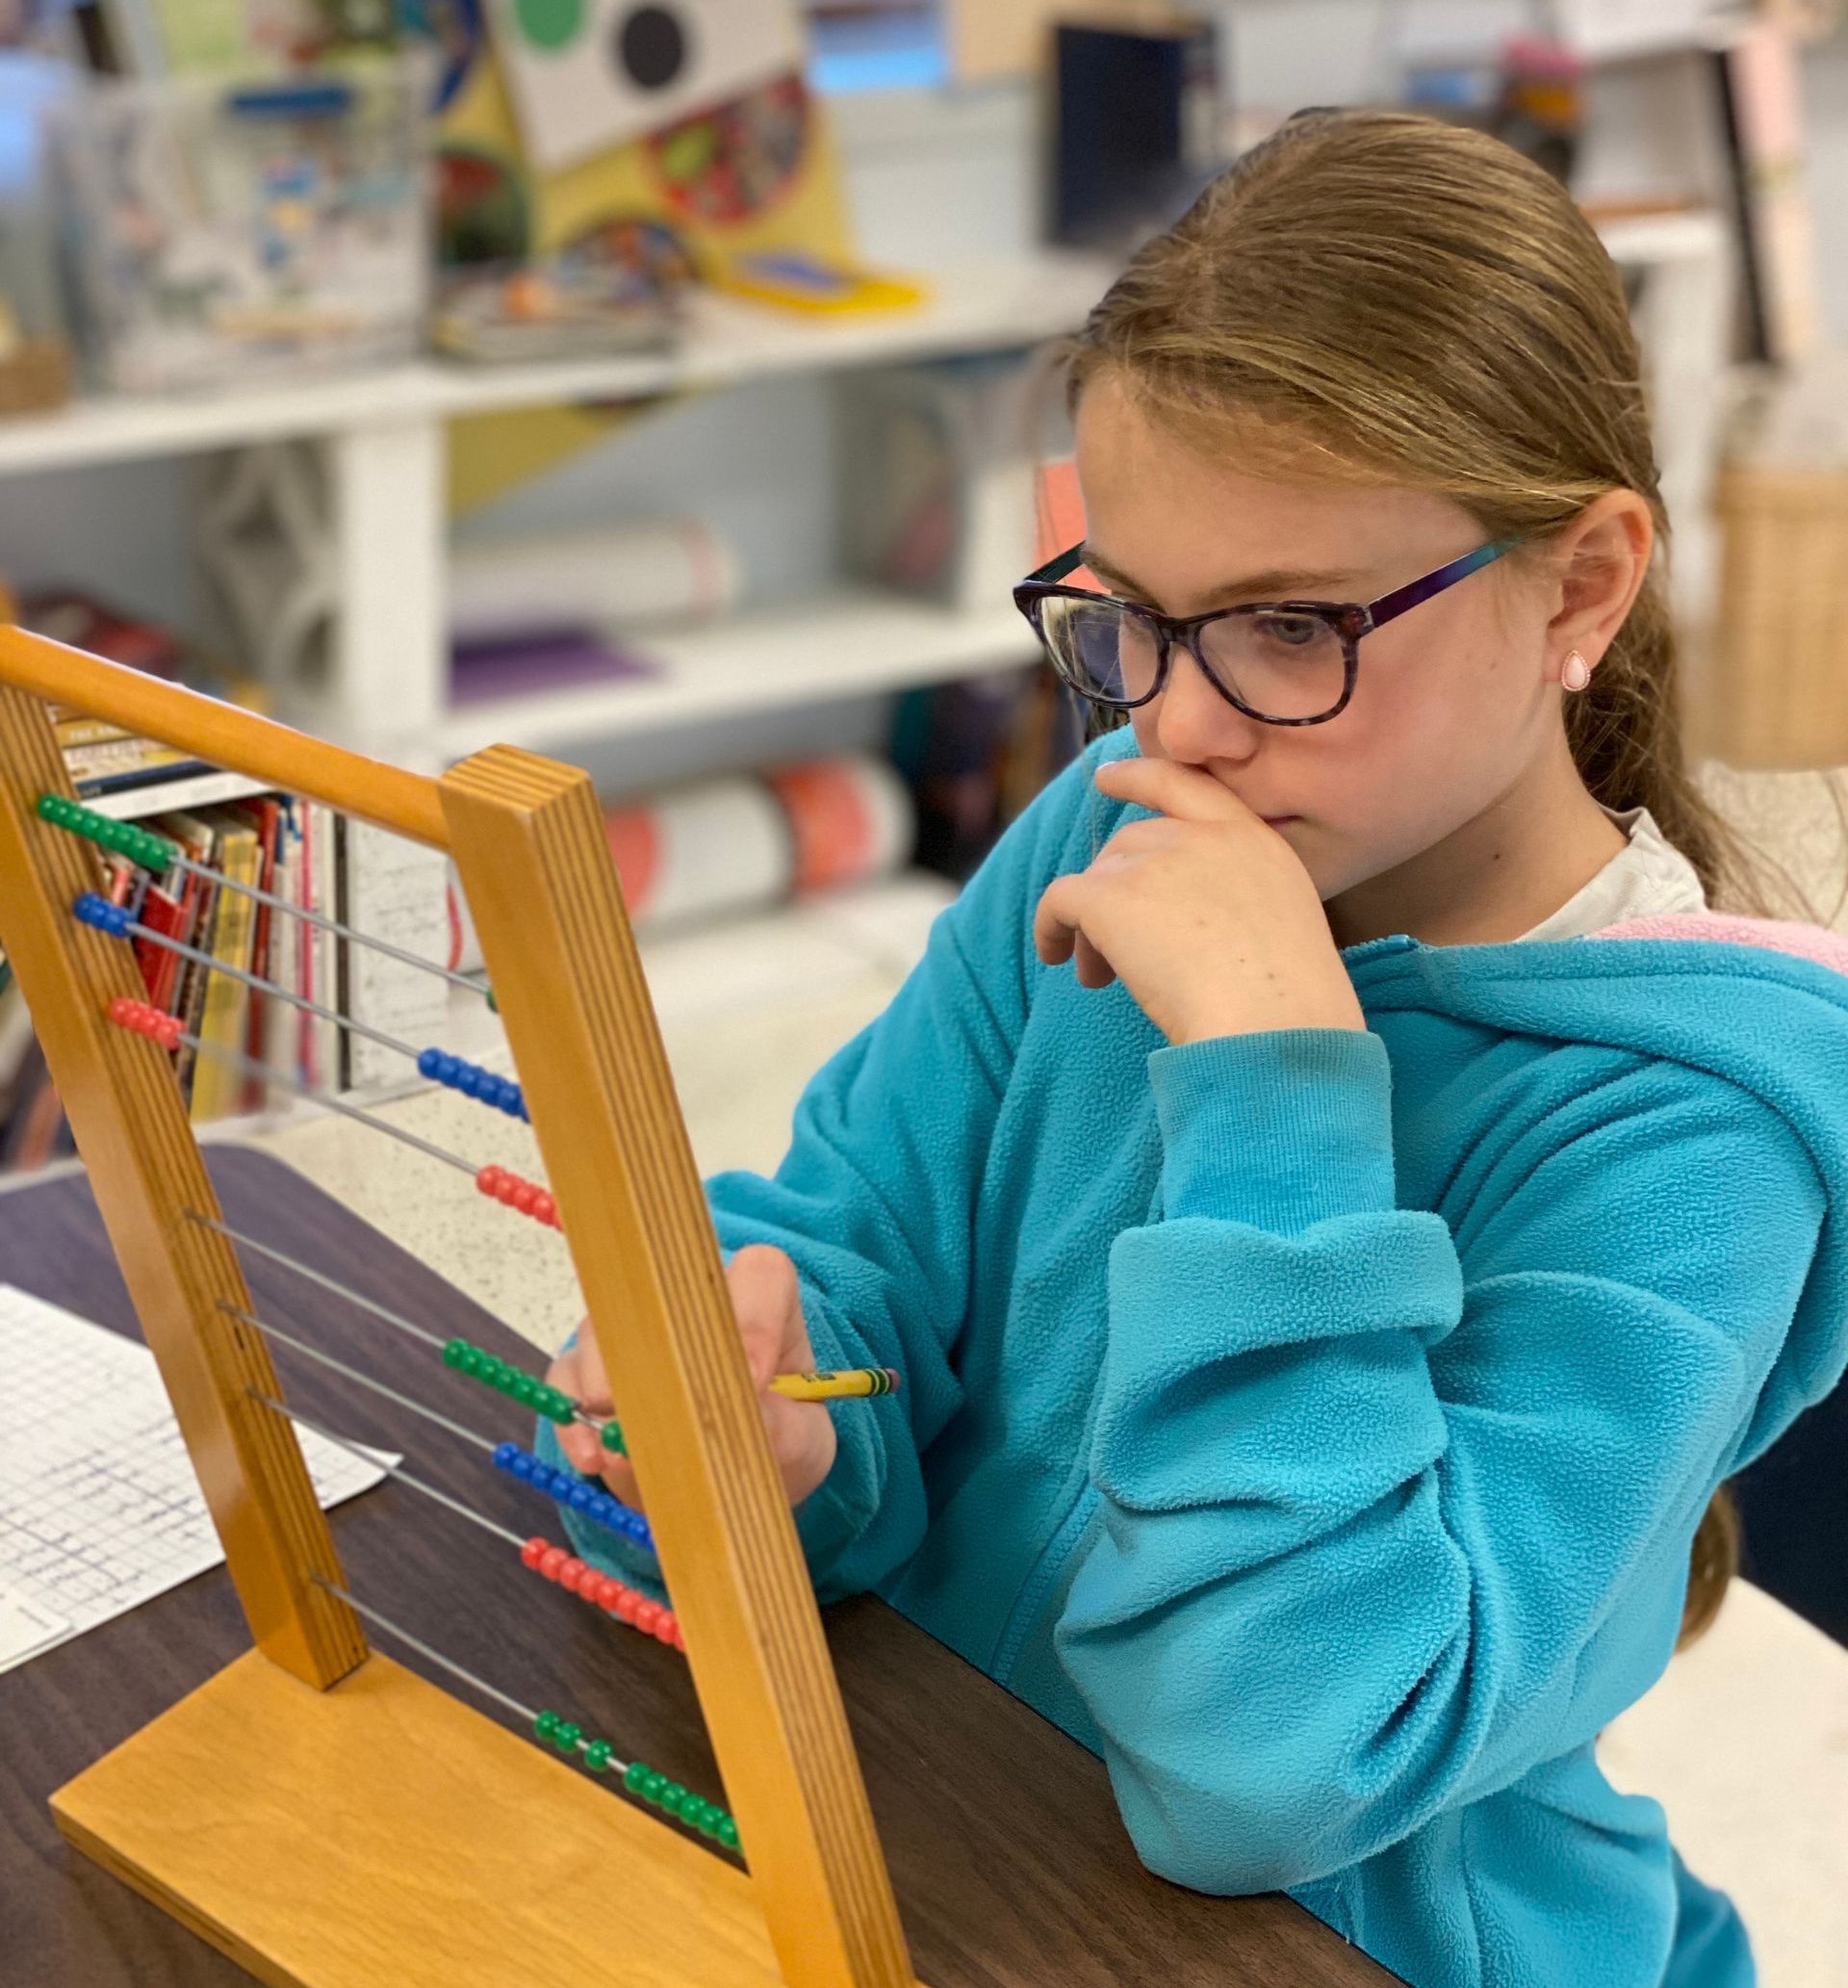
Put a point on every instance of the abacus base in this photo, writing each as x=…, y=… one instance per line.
x=382, y=1831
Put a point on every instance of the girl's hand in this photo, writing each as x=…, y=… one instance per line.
x=767, y=1301
x=1206, y=915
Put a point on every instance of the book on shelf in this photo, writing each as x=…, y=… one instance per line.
x=292, y=851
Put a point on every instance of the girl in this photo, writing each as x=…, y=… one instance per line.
x=1327, y=1305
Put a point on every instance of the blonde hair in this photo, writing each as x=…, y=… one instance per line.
x=1372, y=296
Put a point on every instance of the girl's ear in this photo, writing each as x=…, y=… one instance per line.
x=1602, y=560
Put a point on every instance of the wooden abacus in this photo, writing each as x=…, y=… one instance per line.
x=311, y=1722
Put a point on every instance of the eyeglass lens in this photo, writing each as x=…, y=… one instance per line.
x=1281, y=665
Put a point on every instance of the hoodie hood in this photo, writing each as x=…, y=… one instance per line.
x=1760, y=1002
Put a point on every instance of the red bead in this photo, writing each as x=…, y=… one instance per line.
x=680, y=1637
x=488, y=1180
x=647, y=1616
x=544, y=1209
x=525, y=1194
x=170, y=1033
x=626, y=1604
x=534, y=1551
x=571, y=1573
x=606, y=1593
x=667, y=1630
x=121, y=1010
x=554, y=1558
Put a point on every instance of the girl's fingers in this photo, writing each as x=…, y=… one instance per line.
x=619, y=1475
x=1090, y=966
x=582, y=1449
x=1056, y=919
x=768, y=1304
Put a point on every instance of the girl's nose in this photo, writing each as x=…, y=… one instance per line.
x=1194, y=722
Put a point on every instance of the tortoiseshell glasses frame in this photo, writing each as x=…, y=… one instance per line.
x=1348, y=621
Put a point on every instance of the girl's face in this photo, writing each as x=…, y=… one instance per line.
x=1454, y=702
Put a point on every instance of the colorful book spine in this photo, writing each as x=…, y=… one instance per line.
x=217, y=1084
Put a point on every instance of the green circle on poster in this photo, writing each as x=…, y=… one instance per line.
x=549, y=23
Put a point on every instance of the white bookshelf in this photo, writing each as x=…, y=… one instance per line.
x=979, y=305
x=173, y=796
x=381, y=436
x=852, y=642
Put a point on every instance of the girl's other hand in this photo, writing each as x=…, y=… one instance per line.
x=767, y=1300
x=1203, y=910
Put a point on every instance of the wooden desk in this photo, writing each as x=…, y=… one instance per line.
x=1011, y=1863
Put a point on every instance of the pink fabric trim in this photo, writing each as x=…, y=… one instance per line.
x=1727, y=928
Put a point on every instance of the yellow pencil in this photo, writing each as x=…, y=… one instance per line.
x=830, y=1387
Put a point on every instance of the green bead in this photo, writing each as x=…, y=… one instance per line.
x=728, y=1832
x=566, y=1736
x=455, y=1353
x=49, y=806
x=635, y=1774
x=494, y=1006
x=654, y=1787
x=526, y=1390
x=544, y=1726
x=598, y=1755
x=557, y=1406
x=612, y=1439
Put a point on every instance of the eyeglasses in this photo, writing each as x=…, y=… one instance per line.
x=1286, y=663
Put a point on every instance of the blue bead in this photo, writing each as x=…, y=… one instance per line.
x=87, y=905
x=512, y=1101
x=429, y=1063
x=525, y=1467
x=582, y=1498
x=504, y=1454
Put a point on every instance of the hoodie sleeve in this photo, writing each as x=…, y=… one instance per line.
x=876, y=1202
x=1326, y=1597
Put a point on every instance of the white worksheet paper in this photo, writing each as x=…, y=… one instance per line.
x=99, y=1508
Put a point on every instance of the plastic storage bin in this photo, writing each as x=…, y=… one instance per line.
x=35, y=352
x=225, y=231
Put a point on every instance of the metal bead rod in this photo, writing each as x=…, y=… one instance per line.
x=455, y=1072
x=523, y=1713
x=326, y=1359
x=161, y=854
x=182, y=861
x=135, y=929
x=392, y=1470
x=262, y=1071
x=327, y=1283
x=315, y=1276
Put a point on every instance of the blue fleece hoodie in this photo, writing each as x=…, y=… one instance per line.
x=1314, y=1423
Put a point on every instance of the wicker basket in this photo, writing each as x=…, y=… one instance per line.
x=1776, y=693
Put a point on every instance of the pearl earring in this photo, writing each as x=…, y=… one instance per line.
x=1576, y=672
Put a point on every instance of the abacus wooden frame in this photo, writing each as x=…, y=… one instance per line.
x=346, y=1729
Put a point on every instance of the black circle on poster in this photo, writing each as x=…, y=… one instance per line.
x=651, y=46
